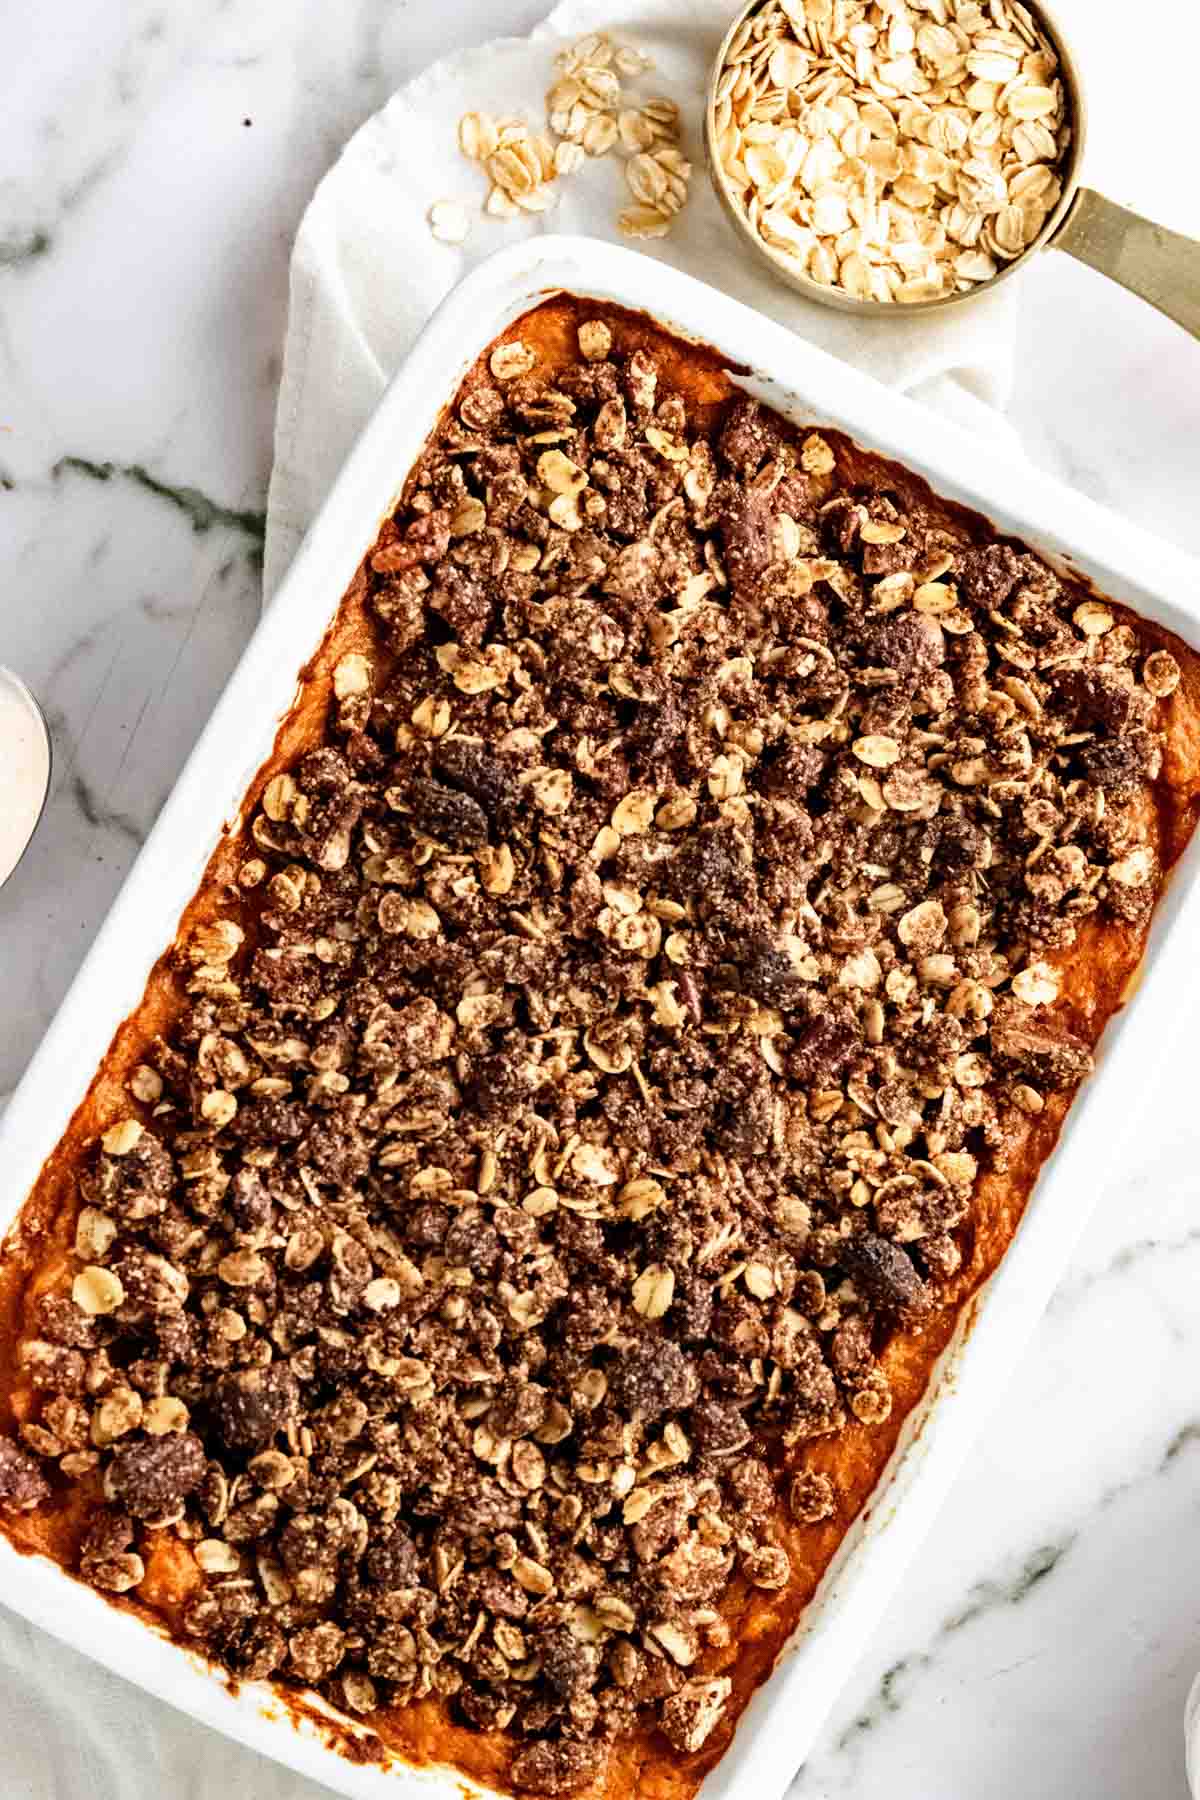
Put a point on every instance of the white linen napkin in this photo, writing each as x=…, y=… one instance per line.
x=366, y=272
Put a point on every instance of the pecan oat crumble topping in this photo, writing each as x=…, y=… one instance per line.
x=629, y=992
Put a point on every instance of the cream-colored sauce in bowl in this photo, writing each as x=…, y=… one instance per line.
x=24, y=769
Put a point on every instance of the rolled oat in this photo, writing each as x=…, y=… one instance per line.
x=586, y=114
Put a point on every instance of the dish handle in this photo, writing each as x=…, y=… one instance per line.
x=1161, y=266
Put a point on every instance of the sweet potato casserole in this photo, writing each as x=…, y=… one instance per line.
x=491, y=1268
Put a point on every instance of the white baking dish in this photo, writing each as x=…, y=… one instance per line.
x=778, y=1729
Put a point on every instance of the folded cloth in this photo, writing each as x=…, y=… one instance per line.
x=367, y=273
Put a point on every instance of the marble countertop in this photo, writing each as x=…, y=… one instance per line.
x=159, y=159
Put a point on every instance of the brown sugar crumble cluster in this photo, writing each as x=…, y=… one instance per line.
x=628, y=995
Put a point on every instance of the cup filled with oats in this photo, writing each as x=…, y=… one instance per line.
x=910, y=154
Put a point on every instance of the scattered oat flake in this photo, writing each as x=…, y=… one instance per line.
x=449, y=222
x=635, y=130
x=587, y=116
x=600, y=134
x=629, y=61
x=536, y=200
x=646, y=178
x=644, y=222
x=477, y=135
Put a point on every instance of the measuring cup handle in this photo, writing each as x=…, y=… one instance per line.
x=1161, y=266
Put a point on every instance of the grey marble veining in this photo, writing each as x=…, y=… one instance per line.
x=157, y=159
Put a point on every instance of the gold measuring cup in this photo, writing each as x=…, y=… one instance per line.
x=1160, y=266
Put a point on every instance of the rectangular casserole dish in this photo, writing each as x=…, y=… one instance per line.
x=1154, y=580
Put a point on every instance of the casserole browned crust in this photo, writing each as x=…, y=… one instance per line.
x=694, y=873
